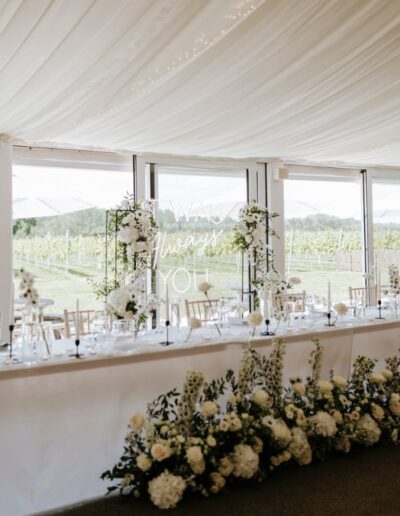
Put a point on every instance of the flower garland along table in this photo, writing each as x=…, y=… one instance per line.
x=67, y=418
x=242, y=427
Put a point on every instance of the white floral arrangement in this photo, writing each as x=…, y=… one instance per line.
x=137, y=232
x=27, y=290
x=131, y=301
x=250, y=236
x=394, y=279
x=216, y=433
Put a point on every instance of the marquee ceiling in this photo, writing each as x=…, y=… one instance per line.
x=300, y=79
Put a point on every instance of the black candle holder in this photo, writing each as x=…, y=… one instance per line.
x=77, y=354
x=267, y=332
x=380, y=310
x=166, y=342
x=11, y=358
x=329, y=317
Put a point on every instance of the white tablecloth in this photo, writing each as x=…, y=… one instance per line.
x=62, y=425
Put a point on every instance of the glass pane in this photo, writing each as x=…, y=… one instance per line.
x=386, y=213
x=323, y=236
x=59, y=224
x=197, y=210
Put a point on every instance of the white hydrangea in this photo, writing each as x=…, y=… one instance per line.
x=166, y=490
x=323, y=424
x=300, y=448
x=367, y=430
x=246, y=461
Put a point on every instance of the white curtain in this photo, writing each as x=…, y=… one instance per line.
x=311, y=79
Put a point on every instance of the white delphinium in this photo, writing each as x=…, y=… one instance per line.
x=323, y=424
x=367, y=430
x=299, y=447
x=246, y=461
x=190, y=395
x=275, y=378
x=245, y=372
x=316, y=364
x=166, y=490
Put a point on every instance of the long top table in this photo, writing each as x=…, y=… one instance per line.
x=63, y=421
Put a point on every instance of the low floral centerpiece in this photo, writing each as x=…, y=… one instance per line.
x=242, y=427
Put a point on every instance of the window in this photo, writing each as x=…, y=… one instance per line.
x=386, y=226
x=196, y=210
x=59, y=225
x=323, y=234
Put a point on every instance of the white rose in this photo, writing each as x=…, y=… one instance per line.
x=258, y=445
x=387, y=374
x=236, y=424
x=211, y=441
x=377, y=378
x=255, y=318
x=194, y=455
x=377, y=412
x=143, y=462
x=218, y=482
x=394, y=404
x=337, y=416
x=261, y=398
x=209, y=409
x=339, y=382
x=204, y=287
x=299, y=389
x=226, y=466
x=325, y=387
x=137, y=421
x=159, y=451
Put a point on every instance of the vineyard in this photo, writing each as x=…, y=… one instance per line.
x=67, y=262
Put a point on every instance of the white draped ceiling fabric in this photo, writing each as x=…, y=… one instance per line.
x=314, y=80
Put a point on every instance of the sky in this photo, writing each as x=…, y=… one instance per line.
x=183, y=192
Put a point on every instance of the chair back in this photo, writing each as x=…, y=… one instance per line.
x=297, y=298
x=367, y=296
x=205, y=310
x=71, y=323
